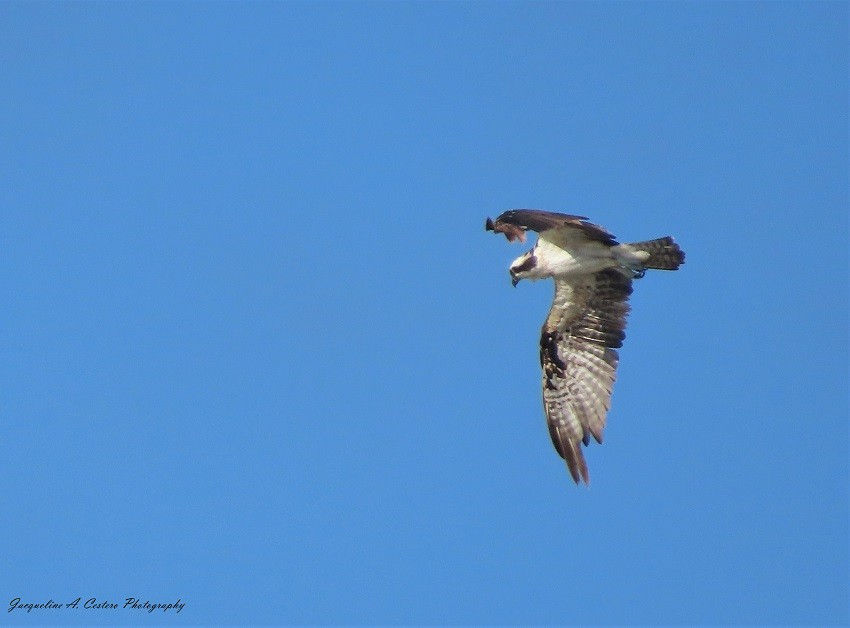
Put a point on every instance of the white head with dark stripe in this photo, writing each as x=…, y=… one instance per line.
x=525, y=267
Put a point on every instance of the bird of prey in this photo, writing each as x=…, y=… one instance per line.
x=593, y=276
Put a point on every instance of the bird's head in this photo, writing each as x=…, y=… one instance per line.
x=524, y=267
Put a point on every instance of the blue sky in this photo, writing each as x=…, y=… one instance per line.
x=261, y=356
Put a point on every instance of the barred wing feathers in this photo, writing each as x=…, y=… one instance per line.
x=579, y=360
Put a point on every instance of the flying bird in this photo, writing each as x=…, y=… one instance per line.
x=593, y=276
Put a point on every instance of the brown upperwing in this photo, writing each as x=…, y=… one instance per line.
x=515, y=222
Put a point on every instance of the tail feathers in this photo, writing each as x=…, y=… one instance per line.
x=664, y=253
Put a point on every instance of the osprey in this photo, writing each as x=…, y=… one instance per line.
x=593, y=280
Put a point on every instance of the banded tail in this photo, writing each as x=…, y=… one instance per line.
x=664, y=253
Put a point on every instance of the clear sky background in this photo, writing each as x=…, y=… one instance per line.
x=259, y=353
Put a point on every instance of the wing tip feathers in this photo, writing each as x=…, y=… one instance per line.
x=512, y=232
x=576, y=464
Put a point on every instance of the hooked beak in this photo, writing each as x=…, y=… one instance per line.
x=514, y=278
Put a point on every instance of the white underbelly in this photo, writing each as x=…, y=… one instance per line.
x=586, y=257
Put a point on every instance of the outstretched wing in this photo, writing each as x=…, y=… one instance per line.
x=550, y=225
x=577, y=353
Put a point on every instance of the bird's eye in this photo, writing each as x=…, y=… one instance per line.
x=527, y=264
